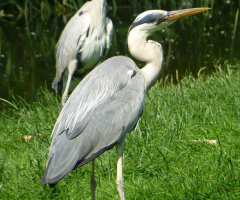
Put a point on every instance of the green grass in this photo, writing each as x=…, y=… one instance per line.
x=160, y=159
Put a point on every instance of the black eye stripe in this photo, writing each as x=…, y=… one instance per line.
x=147, y=19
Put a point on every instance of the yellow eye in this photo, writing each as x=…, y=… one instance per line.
x=159, y=20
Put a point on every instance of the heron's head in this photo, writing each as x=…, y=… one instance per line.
x=152, y=20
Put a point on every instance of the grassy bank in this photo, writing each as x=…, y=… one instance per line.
x=186, y=146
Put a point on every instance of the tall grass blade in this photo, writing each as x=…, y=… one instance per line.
x=8, y=102
x=235, y=30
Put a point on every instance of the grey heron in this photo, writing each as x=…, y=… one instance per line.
x=108, y=102
x=85, y=40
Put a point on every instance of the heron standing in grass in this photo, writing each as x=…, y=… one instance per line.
x=85, y=41
x=109, y=101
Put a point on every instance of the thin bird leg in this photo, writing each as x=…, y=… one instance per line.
x=120, y=184
x=93, y=182
x=72, y=67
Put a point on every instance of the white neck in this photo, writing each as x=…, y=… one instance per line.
x=98, y=13
x=147, y=51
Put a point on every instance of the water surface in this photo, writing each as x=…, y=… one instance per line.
x=27, y=45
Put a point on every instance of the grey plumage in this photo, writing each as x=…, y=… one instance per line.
x=85, y=40
x=80, y=137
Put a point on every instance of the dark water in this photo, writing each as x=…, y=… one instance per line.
x=27, y=45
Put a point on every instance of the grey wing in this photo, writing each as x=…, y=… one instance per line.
x=73, y=35
x=113, y=119
x=105, y=127
x=97, y=87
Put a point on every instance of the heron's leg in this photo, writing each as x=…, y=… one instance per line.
x=72, y=67
x=93, y=182
x=120, y=184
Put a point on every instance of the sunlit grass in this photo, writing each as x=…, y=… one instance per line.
x=168, y=156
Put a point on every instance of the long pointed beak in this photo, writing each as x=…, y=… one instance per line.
x=178, y=14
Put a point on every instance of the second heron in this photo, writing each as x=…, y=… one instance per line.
x=85, y=40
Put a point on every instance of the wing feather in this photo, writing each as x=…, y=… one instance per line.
x=112, y=112
x=73, y=35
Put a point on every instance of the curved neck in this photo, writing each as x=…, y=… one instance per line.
x=98, y=13
x=147, y=51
